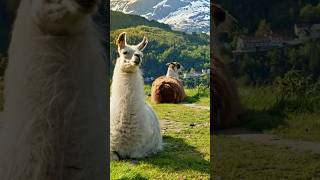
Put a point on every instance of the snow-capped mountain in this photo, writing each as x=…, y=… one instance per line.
x=184, y=15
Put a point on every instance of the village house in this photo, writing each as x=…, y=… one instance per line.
x=255, y=44
x=190, y=75
x=305, y=31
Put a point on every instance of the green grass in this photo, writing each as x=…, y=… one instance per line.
x=186, y=153
x=236, y=159
x=196, y=97
x=264, y=114
x=300, y=126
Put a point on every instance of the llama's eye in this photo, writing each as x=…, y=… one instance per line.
x=125, y=52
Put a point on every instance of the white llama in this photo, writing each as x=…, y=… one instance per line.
x=53, y=126
x=134, y=130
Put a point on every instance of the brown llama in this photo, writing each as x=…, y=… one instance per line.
x=168, y=88
x=226, y=103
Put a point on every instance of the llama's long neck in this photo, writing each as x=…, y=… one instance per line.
x=127, y=94
x=124, y=83
x=171, y=73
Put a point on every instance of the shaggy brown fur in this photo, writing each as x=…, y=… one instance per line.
x=167, y=90
x=226, y=103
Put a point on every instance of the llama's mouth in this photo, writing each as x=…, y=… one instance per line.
x=136, y=60
x=129, y=67
x=136, y=63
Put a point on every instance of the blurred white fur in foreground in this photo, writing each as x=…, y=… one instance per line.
x=54, y=122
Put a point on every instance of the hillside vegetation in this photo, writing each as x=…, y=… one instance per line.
x=192, y=51
x=120, y=20
x=281, y=14
x=273, y=17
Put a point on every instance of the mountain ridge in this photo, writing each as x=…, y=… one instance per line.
x=183, y=15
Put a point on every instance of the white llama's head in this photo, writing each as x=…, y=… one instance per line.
x=130, y=55
x=61, y=17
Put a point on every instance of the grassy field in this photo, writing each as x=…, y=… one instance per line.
x=265, y=115
x=235, y=158
x=186, y=153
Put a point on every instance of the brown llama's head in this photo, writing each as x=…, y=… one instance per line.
x=174, y=68
x=222, y=20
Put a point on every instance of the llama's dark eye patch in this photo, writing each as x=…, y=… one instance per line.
x=178, y=66
x=125, y=52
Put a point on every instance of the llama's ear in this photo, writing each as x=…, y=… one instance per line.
x=219, y=15
x=143, y=44
x=121, y=41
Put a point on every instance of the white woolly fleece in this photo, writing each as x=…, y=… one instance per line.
x=135, y=130
x=55, y=116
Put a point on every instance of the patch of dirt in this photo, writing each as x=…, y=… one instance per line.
x=196, y=106
x=268, y=139
x=167, y=125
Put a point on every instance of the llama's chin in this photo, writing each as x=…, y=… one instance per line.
x=64, y=18
x=130, y=67
x=62, y=29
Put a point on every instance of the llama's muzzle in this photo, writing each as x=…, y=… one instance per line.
x=136, y=59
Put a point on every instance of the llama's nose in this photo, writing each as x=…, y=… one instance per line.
x=87, y=4
x=136, y=61
x=137, y=58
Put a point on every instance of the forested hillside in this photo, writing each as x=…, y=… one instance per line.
x=280, y=14
x=260, y=18
x=121, y=20
x=264, y=67
x=192, y=51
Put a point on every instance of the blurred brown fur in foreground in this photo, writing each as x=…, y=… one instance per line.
x=225, y=101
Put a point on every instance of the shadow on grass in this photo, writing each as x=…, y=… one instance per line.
x=256, y=120
x=265, y=119
x=178, y=155
x=192, y=99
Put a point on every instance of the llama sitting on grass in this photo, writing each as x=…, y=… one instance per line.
x=169, y=88
x=54, y=122
x=134, y=129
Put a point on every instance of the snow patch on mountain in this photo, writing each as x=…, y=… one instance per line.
x=184, y=15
